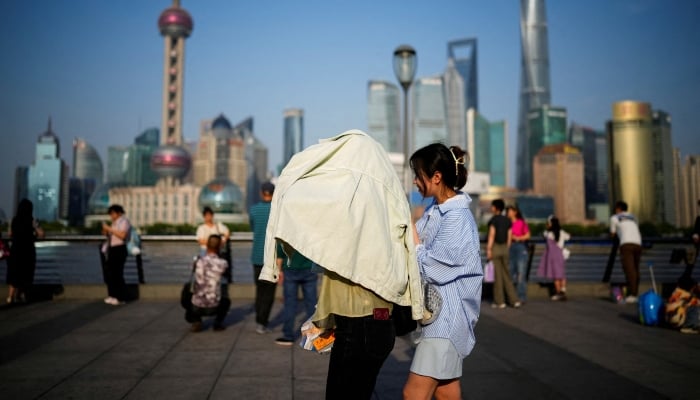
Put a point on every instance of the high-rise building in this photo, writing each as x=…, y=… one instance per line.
x=384, y=115
x=688, y=189
x=631, y=159
x=21, y=184
x=534, y=81
x=488, y=147
x=48, y=179
x=256, y=161
x=149, y=137
x=594, y=148
x=117, y=163
x=546, y=126
x=429, y=112
x=558, y=172
x=138, y=159
x=663, y=168
x=87, y=163
x=455, y=108
x=293, y=133
x=87, y=176
x=464, y=54
x=221, y=152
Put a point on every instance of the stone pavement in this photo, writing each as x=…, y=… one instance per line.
x=586, y=348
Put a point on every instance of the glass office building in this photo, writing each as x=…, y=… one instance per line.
x=293, y=133
x=464, y=54
x=488, y=147
x=534, y=81
x=429, y=116
x=117, y=160
x=593, y=146
x=384, y=115
x=48, y=179
x=455, y=106
x=546, y=126
x=498, y=153
x=663, y=168
x=87, y=163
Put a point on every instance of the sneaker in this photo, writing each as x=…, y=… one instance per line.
x=631, y=299
x=494, y=305
x=517, y=304
x=558, y=297
x=112, y=301
x=218, y=327
x=196, y=327
x=689, y=330
x=261, y=329
x=284, y=341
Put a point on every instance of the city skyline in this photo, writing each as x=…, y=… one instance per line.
x=106, y=87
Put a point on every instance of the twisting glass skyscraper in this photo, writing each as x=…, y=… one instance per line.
x=534, y=79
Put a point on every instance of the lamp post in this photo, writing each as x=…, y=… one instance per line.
x=405, y=64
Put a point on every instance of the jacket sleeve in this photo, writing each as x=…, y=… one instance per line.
x=443, y=259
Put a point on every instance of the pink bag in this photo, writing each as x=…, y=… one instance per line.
x=488, y=272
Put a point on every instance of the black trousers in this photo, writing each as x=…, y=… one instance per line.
x=114, y=272
x=264, y=297
x=361, y=346
x=195, y=314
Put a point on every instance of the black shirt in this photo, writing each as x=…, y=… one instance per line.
x=502, y=225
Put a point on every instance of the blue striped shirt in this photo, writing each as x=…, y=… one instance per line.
x=449, y=258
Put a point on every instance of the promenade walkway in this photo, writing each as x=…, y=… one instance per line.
x=586, y=348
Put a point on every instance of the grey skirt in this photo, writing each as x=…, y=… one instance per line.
x=437, y=358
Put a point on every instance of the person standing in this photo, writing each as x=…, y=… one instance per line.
x=500, y=236
x=115, y=254
x=264, y=290
x=696, y=235
x=624, y=225
x=518, y=254
x=448, y=252
x=21, y=265
x=211, y=227
x=297, y=272
x=553, y=262
x=207, y=298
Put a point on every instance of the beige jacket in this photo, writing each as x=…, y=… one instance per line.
x=340, y=203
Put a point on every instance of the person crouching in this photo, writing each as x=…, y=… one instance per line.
x=206, y=290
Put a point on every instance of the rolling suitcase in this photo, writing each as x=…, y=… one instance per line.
x=650, y=304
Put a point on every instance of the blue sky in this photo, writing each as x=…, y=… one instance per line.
x=95, y=65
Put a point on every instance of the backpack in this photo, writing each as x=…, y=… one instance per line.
x=133, y=246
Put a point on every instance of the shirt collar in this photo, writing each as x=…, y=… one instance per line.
x=461, y=200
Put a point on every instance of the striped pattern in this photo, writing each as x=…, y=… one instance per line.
x=449, y=257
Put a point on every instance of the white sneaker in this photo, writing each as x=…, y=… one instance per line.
x=112, y=301
x=261, y=329
x=631, y=299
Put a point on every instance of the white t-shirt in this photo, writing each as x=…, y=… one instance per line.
x=624, y=225
x=204, y=231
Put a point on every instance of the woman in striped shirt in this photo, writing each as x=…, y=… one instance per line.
x=447, y=242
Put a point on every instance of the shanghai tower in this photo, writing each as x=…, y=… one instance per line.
x=534, y=80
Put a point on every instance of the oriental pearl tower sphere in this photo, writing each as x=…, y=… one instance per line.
x=171, y=161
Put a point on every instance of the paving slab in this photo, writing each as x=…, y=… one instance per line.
x=581, y=349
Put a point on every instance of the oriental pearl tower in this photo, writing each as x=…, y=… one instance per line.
x=171, y=162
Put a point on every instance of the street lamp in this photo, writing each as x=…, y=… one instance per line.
x=405, y=64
